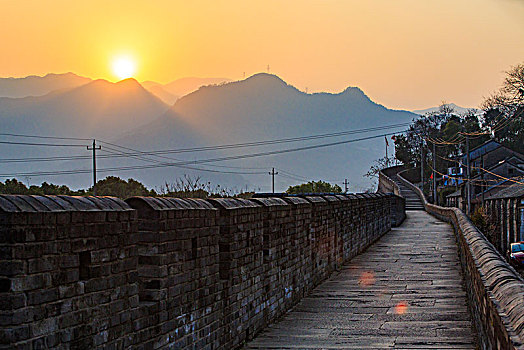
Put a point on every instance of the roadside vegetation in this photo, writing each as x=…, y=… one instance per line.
x=185, y=187
x=500, y=118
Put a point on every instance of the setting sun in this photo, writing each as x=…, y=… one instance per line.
x=123, y=67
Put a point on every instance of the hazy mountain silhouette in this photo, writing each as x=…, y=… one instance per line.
x=159, y=91
x=170, y=92
x=98, y=109
x=169, y=132
x=264, y=107
x=38, y=86
x=105, y=111
x=184, y=86
x=458, y=109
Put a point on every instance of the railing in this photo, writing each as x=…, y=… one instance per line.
x=495, y=290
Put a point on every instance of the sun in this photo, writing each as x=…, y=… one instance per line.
x=124, y=67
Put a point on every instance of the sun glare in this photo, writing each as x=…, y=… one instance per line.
x=123, y=67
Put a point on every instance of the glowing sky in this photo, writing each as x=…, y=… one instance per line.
x=403, y=53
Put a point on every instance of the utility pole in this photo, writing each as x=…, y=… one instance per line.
x=273, y=173
x=387, y=144
x=422, y=166
x=94, y=148
x=468, y=183
x=435, y=200
x=484, y=187
x=387, y=159
x=346, y=183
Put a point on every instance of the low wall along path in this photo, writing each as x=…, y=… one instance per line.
x=404, y=292
x=98, y=272
x=495, y=290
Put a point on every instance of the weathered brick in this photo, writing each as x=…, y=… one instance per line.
x=177, y=260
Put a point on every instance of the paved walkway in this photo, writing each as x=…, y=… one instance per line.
x=404, y=292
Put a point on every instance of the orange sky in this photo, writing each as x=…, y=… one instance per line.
x=403, y=53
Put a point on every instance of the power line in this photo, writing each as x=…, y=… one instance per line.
x=205, y=148
x=45, y=137
x=292, y=177
x=193, y=168
x=289, y=174
x=196, y=162
x=164, y=157
x=159, y=153
x=479, y=168
x=40, y=144
x=274, y=141
x=455, y=140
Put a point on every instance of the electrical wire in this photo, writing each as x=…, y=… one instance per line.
x=202, y=161
x=45, y=137
x=41, y=144
x=455, y=139
x=474, y=167
x=169, y=158
x=236, y=145
x=194, y=168
x=194, y=149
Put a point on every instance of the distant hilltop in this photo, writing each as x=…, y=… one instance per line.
x=37, y=86
x=41, y=85
x=457, y=109
x=219, y=112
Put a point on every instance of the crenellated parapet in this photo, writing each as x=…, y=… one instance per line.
x=99, y=272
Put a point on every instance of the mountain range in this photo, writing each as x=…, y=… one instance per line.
x=170, y=92
x=261, y=107
x=457, y=109
x=37, y=86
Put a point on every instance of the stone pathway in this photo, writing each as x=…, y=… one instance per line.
x=404, y=292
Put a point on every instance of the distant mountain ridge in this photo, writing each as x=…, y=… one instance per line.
x=96, y=109
x=262, y=107
x=41, y=85
x=184, y=86
x=265, y=104
x=458, y=109
x=170, y=92
x=37, y=86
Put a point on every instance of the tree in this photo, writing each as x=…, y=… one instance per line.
x=13, y=187
x=504, y=110
x=443, y=127
x=403, y=151
x=378, y=165
x=314, y=187
x=117, y=187
x=16, y=187
x=52, y=189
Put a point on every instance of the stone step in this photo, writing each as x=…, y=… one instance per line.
x=413, y=201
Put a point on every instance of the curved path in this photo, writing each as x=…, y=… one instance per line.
x=405, y=291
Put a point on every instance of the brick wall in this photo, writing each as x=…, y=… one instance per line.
x=386, y=185
x=68, y=272
x=495, y=290
x=178, y=272
x=169, y=273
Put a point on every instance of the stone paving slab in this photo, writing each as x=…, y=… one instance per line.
x=404, y=292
